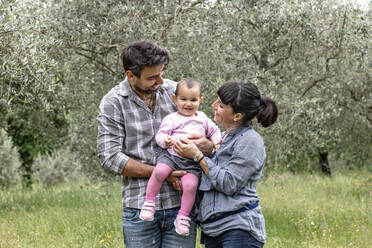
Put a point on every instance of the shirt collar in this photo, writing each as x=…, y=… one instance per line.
x=240, y=129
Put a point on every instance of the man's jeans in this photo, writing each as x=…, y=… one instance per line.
x=159, y=233
x=235, y=238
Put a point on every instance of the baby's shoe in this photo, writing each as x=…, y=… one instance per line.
x=147, y=211
x=182, y=225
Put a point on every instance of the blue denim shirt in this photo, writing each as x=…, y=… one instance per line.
x=234, y=170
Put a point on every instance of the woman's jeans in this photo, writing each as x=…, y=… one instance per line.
x=157, y=233
x=235, y=238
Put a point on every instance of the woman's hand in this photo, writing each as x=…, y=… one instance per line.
x=204, y=144
x=186, y=148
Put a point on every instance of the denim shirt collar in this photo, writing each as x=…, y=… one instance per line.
x=239, y=130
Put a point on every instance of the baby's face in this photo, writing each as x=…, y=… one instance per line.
x=188, y=100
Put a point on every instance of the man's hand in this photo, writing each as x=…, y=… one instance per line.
x=204, y=144
x=174, y=178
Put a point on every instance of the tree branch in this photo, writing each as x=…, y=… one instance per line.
x=7, y=32
x=353, y=96
x=178, y=11
x=194, y=4
x=315, y=82
x=277, y=62
x=250, y=22
x=255, y=57
x=369, y=114
x=335, y=56
x=86, y=50
x=96, y=61
x=339, y=46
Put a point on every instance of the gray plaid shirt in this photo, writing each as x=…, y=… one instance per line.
x=126, y=129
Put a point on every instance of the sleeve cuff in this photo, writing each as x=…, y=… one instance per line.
x=119, y=163
x=205, y=183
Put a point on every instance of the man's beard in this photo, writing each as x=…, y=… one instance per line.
x=149, y=92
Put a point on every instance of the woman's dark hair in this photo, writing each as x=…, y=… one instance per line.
x=245, y=98
x=143, y=53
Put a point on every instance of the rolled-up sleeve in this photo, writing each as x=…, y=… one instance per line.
x=110, y=138
x=205, y=182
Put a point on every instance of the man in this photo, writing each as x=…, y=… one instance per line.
x=129, y=117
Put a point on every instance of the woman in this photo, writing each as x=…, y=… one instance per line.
x=230, y=214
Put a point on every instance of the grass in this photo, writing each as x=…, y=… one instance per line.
x=316, y=211
x=300, y=211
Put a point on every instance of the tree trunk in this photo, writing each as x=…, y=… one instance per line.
x=323, y=162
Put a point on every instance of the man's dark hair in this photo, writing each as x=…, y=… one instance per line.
x=143, y=53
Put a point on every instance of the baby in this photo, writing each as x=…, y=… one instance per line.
x=187, y=120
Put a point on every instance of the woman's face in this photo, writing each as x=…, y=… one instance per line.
x=223, y=114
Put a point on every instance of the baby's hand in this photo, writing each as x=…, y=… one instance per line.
x=168, y=141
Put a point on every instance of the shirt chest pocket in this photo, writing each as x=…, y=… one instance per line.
x=225, y=155
x=140, y=123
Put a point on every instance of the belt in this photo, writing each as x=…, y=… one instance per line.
x=223, y=215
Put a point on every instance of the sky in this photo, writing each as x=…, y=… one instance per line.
x=363, y=3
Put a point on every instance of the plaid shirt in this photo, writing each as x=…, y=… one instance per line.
x=126, y=129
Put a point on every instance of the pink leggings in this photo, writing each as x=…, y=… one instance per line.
x=189, y=187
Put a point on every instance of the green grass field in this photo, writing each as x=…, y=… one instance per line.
x=300, y=211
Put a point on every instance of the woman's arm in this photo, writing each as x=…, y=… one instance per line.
x=188, y=149
x=203, y=164
x=247, y=158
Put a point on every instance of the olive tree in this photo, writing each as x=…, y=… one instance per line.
x=310, y=56
x=32, y=105
x=92, y=35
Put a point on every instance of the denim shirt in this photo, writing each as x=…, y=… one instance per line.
x=234, y=170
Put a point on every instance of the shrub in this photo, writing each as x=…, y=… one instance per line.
x=9, y=162
x=58, y=167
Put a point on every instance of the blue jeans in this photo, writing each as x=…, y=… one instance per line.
x=157, y=233
x=235, y=238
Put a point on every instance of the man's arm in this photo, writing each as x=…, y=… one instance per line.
x=133, y=168
x=111, y=135
x=109, y=143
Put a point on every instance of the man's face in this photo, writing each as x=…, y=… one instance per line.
x=149, y=81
